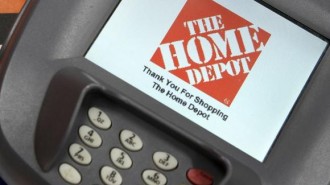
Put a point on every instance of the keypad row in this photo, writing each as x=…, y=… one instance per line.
x=121, y=159
x=128, y=139
x=110, y=176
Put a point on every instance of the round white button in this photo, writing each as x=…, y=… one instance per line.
x=130, y=140
x=153, y=177
x=80, y=154
x=120, y=158
x=110, y=176
x=69, y=174
x=90, y=137
x=99, y=118
x=165, y=161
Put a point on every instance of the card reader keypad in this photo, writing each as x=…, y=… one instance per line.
x=121, y=155
x=120, y=159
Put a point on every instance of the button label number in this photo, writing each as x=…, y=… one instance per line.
x=120, y=158
x=99, y=118
x=130, y=140
x=79, y=154
x=153, y=177
x=165, y=161
x=90, y=137
x=110, y=176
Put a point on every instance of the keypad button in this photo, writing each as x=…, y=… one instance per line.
x=110, y=176
x=99, y=118
x=130, y=140
x=90, y=137
x=153, y=177
x=165, y=161
x=120, y=158
x=199, y=177
x=69, y=174
x=79, y=154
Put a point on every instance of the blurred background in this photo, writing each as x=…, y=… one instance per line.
x=2, y=183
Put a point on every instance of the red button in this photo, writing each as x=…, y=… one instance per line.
x=199, y=177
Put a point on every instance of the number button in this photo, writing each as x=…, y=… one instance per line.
x=130, y=140
x=153, y=177
x=79, y=154
x=165, y=161
x=90, y=137
x=69, y=174
x=99, y=118
x=120, y=158
x=110, y=176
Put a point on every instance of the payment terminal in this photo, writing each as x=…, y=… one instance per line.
x=175, y=92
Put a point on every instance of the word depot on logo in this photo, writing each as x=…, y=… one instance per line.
x=211, y=48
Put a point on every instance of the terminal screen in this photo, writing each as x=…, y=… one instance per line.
x=235, y=68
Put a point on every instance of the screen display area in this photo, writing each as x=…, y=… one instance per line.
x=235, y=68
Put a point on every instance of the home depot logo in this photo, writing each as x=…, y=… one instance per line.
x=211, y=48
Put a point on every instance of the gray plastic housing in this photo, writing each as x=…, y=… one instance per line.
x=70, y=95
x=56, y=37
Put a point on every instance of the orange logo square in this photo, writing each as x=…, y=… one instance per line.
x=211, y=48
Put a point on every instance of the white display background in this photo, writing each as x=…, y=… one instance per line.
x=262, y=105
